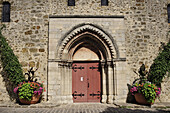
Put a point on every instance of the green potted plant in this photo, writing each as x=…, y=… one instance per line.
x=144, y=91
x=29, y=92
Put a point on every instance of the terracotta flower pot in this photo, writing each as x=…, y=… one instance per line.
x=141, y=99
x=34, y=100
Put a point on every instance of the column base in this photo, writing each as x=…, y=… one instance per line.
x=111, y=99
x=104, y=98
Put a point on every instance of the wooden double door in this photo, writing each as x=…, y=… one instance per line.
x=86, y=82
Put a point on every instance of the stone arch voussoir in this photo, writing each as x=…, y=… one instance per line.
x=107, y=38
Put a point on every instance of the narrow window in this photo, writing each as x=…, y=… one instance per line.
x=6, y=12
x=71, y=2
x=104, y=2
x=168, y=9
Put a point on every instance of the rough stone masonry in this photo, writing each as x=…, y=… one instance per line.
x=34, y=38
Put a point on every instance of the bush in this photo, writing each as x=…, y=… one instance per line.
x=160, y=66
x=10, y=63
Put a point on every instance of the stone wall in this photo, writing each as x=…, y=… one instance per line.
x=145, y=20
x=27, y=34
x=165, y=96
x=4, y=95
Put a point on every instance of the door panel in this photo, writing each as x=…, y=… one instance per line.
x=93, y=76
x=79, y=82
x=86, y=84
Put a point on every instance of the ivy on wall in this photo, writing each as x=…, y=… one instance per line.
x=10, y=63
x=160, y=66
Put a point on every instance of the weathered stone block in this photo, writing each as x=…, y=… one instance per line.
x=33, y=50
x=41, y=50
x=32, y=64
x=28, y=32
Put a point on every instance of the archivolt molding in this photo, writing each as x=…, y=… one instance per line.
x=107, y=39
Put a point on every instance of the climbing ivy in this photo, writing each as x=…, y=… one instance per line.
x=10, y=63
x=160, y=66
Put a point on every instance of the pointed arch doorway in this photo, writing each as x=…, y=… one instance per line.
x=86, y=51
x=89, y=52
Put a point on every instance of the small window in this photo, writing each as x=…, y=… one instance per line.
x=104, y=2
x=168, y=9
x=71, y=2
x=6, y=12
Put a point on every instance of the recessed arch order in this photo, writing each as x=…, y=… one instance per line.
x=90, y=36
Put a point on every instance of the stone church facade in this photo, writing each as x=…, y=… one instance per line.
x=62, y=40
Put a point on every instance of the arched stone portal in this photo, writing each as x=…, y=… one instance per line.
x=96, y=43
x=85, y=43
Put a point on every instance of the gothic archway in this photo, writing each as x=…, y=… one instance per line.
x=94, y=31
x=99, y=45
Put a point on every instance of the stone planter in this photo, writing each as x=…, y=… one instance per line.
x=34, y=100
x=141, y=99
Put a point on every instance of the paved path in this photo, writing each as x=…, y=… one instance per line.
x=82, y=108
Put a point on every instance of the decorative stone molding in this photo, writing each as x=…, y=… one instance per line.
x=105, y=37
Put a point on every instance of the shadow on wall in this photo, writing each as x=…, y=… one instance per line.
x=9, y=86
x=130, y=97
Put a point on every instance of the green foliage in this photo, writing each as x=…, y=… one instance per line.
x=10, y=63
x=160, y=66
x=26, y=91
x=149, y=90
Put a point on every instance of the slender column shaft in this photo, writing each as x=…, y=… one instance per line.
x=104, y=93
x=111, y=81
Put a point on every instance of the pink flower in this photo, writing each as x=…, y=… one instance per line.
x=134, y=89
x=158, y=93
x=159, y=89
x=39, y=92
x=40, y=88
x=35, y=92
x=15, y=90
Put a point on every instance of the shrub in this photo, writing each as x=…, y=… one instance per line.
x=160, y=66
x=10, y=63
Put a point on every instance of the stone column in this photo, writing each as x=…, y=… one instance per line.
x=104, y=94
x=110, y=80
x=67, y=82
x=115, y=80
x=61, y=68
x=69, y=72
